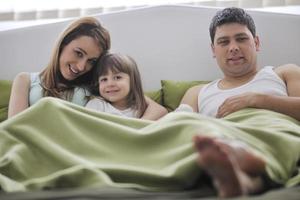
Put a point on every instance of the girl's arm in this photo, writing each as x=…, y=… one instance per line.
x=19, y=94
x=154, y=110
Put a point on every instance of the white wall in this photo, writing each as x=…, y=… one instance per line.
x=168, y=42
x=37, y=9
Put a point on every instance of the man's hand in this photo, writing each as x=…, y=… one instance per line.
x=238, y=102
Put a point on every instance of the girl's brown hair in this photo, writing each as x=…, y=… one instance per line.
x=52, y=81
x=122, y=63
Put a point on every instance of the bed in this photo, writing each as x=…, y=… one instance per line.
x=172, y=48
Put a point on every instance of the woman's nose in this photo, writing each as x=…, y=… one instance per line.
x=81, y=65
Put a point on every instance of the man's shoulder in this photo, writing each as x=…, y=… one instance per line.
x=286, y=68
x=289, y=66
x=196, y=88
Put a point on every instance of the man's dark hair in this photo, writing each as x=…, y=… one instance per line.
x=231, y=15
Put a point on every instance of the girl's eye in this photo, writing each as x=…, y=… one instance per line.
x=103, y=79
x=118, y=77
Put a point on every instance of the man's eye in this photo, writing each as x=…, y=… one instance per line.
x=242, y=39
x=223, y=42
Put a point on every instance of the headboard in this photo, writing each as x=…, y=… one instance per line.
x=168, y=42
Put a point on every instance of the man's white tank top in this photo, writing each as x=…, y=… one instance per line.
x=265, y=81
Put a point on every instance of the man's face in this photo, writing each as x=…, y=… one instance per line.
x=235, y=49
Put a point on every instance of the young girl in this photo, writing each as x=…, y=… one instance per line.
x=118, y=87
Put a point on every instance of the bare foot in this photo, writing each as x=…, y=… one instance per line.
x=222, y=162
x=247, y=161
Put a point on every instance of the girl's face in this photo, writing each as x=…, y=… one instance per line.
x=78, y=57
x=115, y=87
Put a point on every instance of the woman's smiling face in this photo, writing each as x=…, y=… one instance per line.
x=78, y=57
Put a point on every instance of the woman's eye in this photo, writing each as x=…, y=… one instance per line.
x=92, y=62
x=118, y=77
x=79, y=54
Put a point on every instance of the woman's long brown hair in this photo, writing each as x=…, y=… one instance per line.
x=52, y=81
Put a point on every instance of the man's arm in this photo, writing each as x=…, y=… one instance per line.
x=289, y=105
x=191, y=97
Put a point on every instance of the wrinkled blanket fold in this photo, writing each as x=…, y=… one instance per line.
x=55, y=144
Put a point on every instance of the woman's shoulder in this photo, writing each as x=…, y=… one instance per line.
x=27, y=77
x=22, y=77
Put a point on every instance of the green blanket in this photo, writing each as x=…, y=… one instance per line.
x=55, y=144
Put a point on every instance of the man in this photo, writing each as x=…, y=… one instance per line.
x=236, y=171
x=235, y=46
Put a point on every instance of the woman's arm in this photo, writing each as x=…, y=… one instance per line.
x=19, y=94
x=154, y=110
